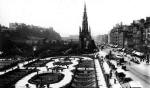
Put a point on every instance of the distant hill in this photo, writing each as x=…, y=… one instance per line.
x=25, y=31
x=20, y=38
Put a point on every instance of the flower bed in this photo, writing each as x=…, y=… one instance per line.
x=7, y=64
x=9, y=79
x=46, y=78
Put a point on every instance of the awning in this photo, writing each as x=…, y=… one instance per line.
x=116, y=45
x=133, y=52
x=138, y=53
x=119, y=48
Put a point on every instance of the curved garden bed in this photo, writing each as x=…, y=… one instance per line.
x=46, y=78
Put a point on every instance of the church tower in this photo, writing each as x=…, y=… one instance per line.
x=85, y=38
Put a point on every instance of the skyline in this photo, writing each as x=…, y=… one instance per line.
x=66, y=16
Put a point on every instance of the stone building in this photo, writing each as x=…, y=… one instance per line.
x=134, y=36
x=117, y=35
x=86, y=42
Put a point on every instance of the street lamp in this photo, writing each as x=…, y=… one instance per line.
x=146, y=45
x=34, y=49
x=123, y=30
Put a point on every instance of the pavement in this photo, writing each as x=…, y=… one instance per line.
x=100, y=76
x=114, y=83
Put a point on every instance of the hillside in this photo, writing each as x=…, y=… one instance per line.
x=21, y=38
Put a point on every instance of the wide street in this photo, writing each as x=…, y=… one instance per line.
x=138, y=72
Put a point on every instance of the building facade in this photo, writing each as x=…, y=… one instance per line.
x=117, y=35
x=135, y=36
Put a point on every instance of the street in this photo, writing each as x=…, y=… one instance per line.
x=138, y=72
x=136, y=75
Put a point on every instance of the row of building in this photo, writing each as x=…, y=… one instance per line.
x=134, y=36
x=102, y=39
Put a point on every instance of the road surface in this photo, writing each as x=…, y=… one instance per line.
x=138, y=72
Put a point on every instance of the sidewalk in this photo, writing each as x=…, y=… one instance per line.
x=114, y=83
x=113, y=80
x=100, y=76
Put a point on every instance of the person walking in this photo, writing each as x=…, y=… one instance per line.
x=129, y=63
x=27, y=86
x=110, y=74
x=147, y=61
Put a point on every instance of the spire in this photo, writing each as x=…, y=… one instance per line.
x=84, y=7
x=85, y=13
x=85, y=21
x=90, y=30
x=80, y=29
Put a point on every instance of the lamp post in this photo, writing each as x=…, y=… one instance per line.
x=123, y=30
x=146, y=45
x=34, y=49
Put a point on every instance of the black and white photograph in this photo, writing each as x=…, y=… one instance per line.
x=74, y=43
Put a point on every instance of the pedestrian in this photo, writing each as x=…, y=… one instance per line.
x=67, y=66
x=129, y=63
x=114, y=81
x=110, y=74
x=27, y=86
x=140, y=59
x=147, y=61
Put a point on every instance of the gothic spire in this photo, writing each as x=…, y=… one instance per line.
x=89, y=30
x=84, y=7
x=80, y=30
x=85, y=21
x=85, y=13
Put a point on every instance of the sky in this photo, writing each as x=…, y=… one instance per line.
x=65, y=16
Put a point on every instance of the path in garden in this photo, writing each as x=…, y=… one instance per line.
x=67, y=78
x=20, y=65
